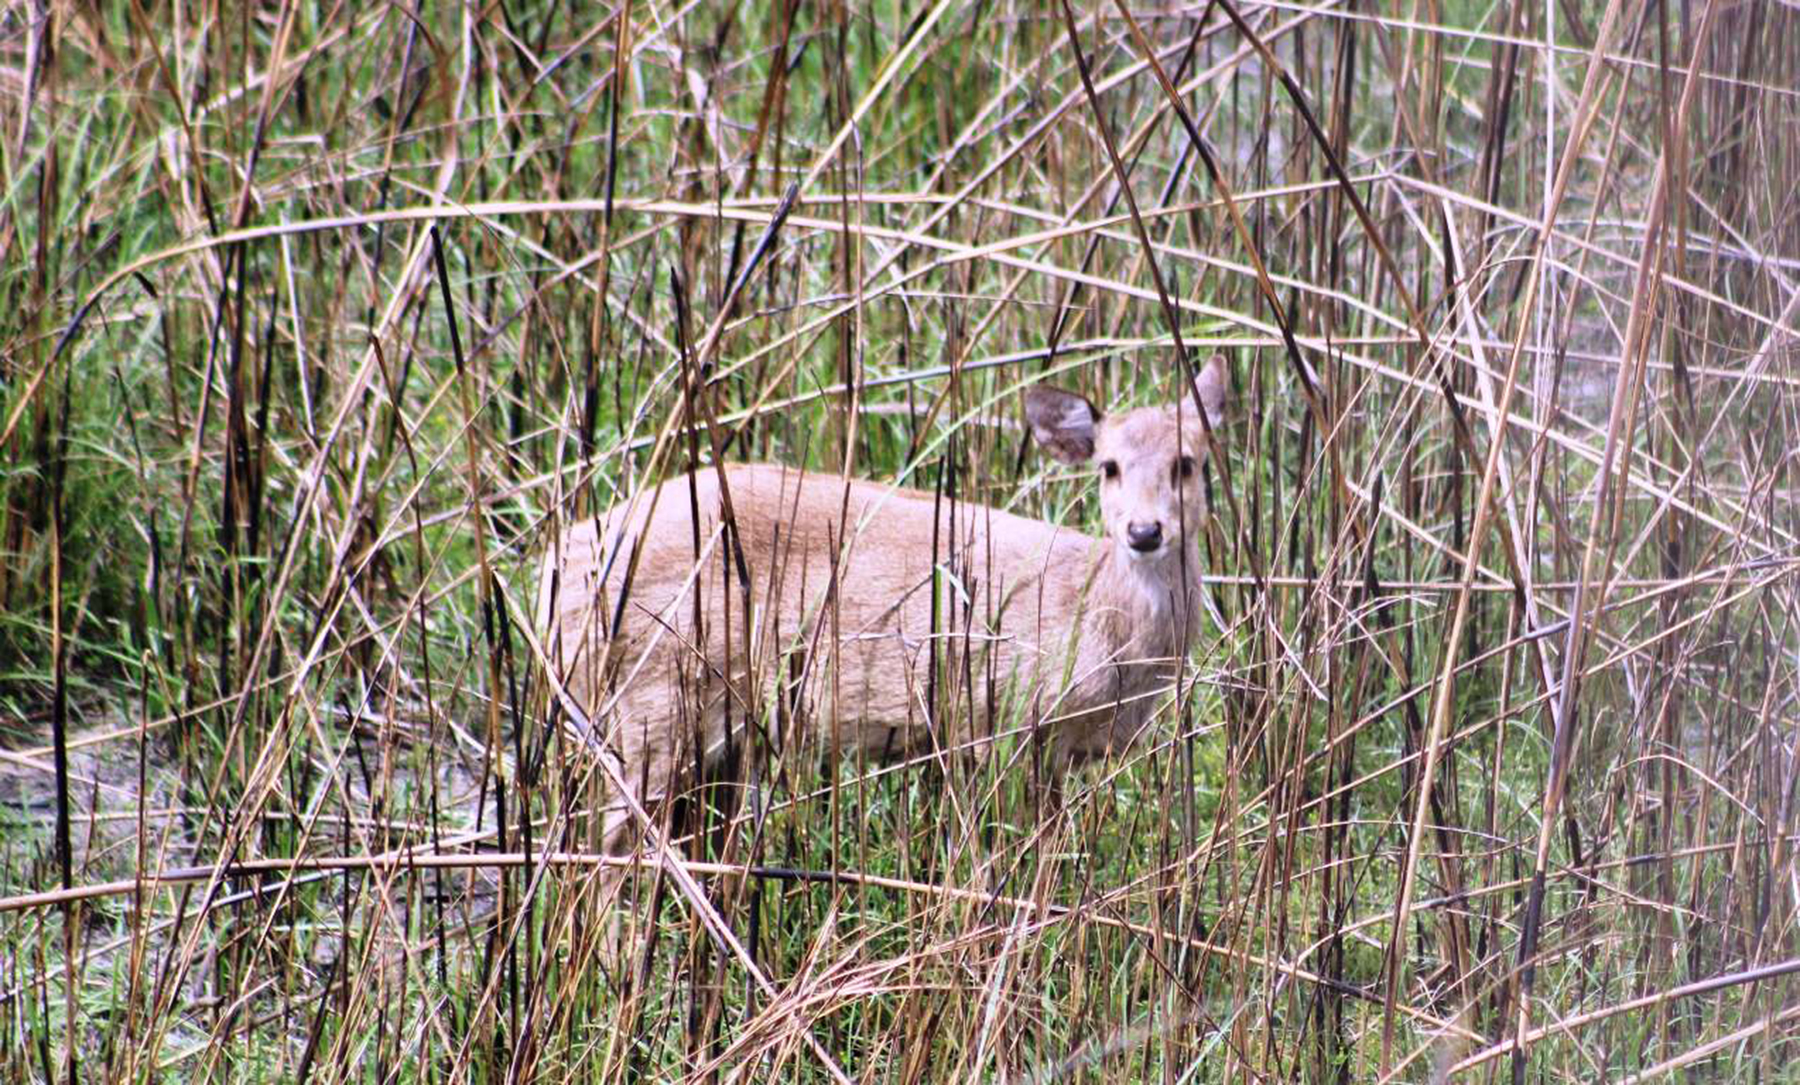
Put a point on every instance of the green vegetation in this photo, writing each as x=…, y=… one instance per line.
x=317, y=322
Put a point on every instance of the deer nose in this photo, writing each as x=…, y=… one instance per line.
x=1144, y=537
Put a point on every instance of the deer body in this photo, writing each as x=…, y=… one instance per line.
x=857, y=605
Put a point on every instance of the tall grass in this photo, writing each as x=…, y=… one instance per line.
x=320, y=322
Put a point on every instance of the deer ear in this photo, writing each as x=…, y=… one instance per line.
x=1062, y=422
x=1213, y=385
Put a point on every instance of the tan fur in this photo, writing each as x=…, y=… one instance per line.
x=1068, y=633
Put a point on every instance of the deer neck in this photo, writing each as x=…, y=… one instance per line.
x=1151, y=606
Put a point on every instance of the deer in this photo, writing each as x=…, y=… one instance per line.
x=676, y=618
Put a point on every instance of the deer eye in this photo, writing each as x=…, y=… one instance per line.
x=1184, y=467
x=1109, y=468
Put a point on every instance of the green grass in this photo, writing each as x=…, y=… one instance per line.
x=268, y=532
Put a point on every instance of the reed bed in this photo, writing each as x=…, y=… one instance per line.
x=317, y=323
